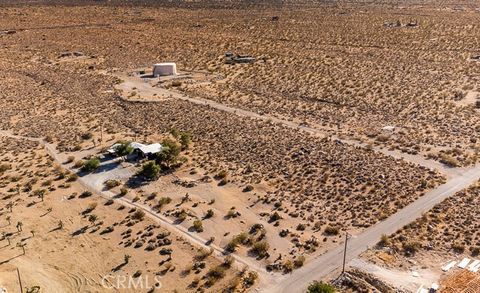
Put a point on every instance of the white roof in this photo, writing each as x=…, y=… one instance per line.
x=137, y=145
x=146, y=149
x=388, y=128
x=151, y=148
x=165, y=64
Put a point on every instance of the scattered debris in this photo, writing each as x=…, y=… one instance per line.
x=230, y=58
x=8, y=32
x=450, y=265
x=71, y=54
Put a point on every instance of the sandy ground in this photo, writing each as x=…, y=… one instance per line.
x=66, y=260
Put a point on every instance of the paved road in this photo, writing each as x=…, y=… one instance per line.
x=332, y=260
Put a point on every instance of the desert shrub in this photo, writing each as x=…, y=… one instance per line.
x=274, y=217
x=410, y=248
x=331, y=230
x=4, y=167
x=299, y=261
x=228, y=261
x=152, y=196
x=301, y=227
x=287, y=266
x=85, y=194
x=78, y=164
x=475, y=251
x=255, y=228
x=221, y=175
x=111, y=183
x=150, y=170
x=164, y=201
x=448, y=160
x=91, y=164
x=181, y=216
x=248, y=188
x=217, y=272
x=250, y=279
x=232, y=213
x=384, y=241
x=458, y=247
x=176, y=83
x=209, y=214
x=138, y=215
x=320, y=287
x=198, y=226
x=87, y=135
x=203, y=254
x=185, y=140
x=260, y=248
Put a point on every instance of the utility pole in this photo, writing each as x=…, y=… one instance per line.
x=345, y=252
x=20, y=281
x=101, y=134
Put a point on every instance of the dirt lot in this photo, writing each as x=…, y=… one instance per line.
x=387, y=76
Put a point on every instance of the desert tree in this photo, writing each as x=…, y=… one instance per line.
x=169, y=154
x=123, y=149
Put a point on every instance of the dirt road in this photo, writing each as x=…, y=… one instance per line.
x=143, y=88
x=332, y=260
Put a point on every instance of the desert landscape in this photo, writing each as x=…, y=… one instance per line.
x=293, y=146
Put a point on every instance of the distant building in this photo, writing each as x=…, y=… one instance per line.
x=164, y=69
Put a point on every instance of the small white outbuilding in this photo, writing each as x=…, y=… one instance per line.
x=164, y=69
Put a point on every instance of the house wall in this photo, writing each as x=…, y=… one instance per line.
x=164, y=69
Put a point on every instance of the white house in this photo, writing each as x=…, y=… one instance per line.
x=142, y=150
x=164, y=69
